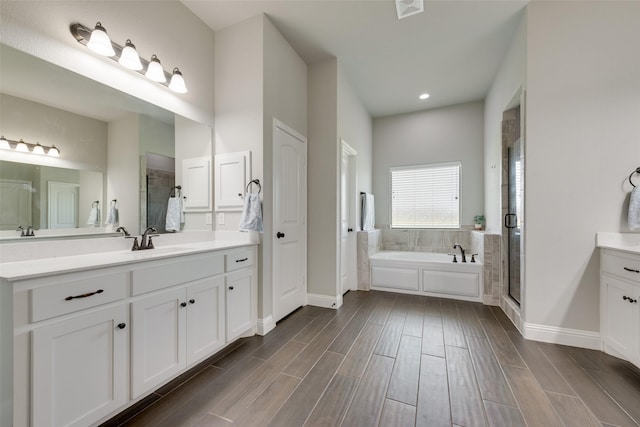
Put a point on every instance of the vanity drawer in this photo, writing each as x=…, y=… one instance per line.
x=68, y=297
x=621, y=264
x=162, y=275
x=238, y=259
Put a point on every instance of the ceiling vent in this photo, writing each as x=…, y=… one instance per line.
x=409, y=7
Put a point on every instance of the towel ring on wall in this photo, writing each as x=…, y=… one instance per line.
x=635, y=171
x=257, y=182
x=95, y=204
x=172, y=192
x=113, y=203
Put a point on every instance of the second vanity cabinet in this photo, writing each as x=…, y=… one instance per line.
x=620, y=304
x=90, y=343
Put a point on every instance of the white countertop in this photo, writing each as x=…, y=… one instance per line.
x=21, y=270
x=627, y=242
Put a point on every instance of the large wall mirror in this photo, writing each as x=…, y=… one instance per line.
x=115, y=151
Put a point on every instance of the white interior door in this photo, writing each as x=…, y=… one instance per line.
x=347, y=219
x=63, y=205
x=290, y=211
x=15, y=209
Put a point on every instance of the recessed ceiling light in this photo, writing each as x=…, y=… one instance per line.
x=424, y=96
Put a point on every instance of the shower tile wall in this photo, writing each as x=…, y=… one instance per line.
x=488, y=246
x=368, y=244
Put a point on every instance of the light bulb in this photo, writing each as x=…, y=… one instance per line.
x=4, y=144
x=177, y=82
x=38, y=149
x=53, y=151
x=99, y=42
x=424, y=96
x=129, y=57
x=155, y=71
x=22, y=146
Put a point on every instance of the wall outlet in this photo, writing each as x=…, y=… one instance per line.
x=220, y=218
x=209, y=218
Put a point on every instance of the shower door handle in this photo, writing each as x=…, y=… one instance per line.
x=510, y=221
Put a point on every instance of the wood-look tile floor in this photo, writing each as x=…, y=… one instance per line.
x=386, y=359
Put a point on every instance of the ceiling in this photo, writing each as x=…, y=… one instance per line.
x=452, y=50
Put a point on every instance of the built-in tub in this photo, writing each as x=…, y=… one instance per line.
x=426, y=273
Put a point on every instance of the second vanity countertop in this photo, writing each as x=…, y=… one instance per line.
x=29, y=269
x=627, y=242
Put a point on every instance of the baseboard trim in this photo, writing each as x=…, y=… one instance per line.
x=564, y=336
x=264, y=326
x=324, y=301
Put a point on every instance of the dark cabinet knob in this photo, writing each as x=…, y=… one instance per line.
x=121, y=325
x=279, y=235
x=230, y=288
x=183, y=304
x=349, y=230
x=192, y=301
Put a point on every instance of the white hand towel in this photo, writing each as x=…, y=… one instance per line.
x=112, y=216
x=634, y=209
x=251, y=219
x=174, y=214
x=94, y=217
x=368, y=212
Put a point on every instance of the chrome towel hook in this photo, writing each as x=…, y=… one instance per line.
x=635, y=171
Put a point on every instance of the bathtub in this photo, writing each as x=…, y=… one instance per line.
x=426, y=273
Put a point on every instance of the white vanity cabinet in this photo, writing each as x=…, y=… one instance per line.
x=88, y=343
x=619, y=304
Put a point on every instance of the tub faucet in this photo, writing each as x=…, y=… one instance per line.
x=457, y=245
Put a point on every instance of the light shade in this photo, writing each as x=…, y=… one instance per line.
x=22, y=146
x=54, y=152
x=155, y=71
x=38, y=149
x=100, y=42
x=177, y=82
x=4, y=144
x=129, y=57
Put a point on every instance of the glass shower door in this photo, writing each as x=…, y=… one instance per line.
x=513, y=218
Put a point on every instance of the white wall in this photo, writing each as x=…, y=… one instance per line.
x=433, y=136
x=167, y=29
x=322, y=178
x=583, y=99
x=156, y=137
x=509, y=80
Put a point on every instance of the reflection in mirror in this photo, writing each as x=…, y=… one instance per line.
x=102, y=133
x=159, y=180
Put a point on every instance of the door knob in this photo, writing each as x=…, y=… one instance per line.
x=279, y=235
x=349, y=230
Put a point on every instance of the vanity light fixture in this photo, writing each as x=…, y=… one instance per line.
x=99, y=42
x=128, y=57
x=155, y=71
x=25, y=147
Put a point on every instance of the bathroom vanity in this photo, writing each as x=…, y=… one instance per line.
x=93, y=334
x=620, y=295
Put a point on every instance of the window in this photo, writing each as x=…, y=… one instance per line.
x=426, y=196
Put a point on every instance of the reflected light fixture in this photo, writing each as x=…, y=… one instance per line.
x=424, y=96
x=4, y=144
x=177, y=82
x=155, y=71
x=25, y=147
x=100, y=42
x=129, y=57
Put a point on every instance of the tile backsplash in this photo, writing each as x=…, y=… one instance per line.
x=439, y=240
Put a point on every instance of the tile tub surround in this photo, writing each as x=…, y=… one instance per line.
x=368, y=244
x=487, y=246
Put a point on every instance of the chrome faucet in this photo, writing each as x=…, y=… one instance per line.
x=26, y=233
x=457, y=245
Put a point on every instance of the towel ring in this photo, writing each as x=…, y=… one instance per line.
x=257, y=182
x=635, y=171
x=95, y=204
x=172, y=191
x=113, y=203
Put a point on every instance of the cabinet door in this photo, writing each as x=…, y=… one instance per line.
x=158, y=339
x=79, y=368
x=239, y=303
x=205, y=318
x=619, y=314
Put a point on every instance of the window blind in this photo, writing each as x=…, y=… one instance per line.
x=426, y=196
